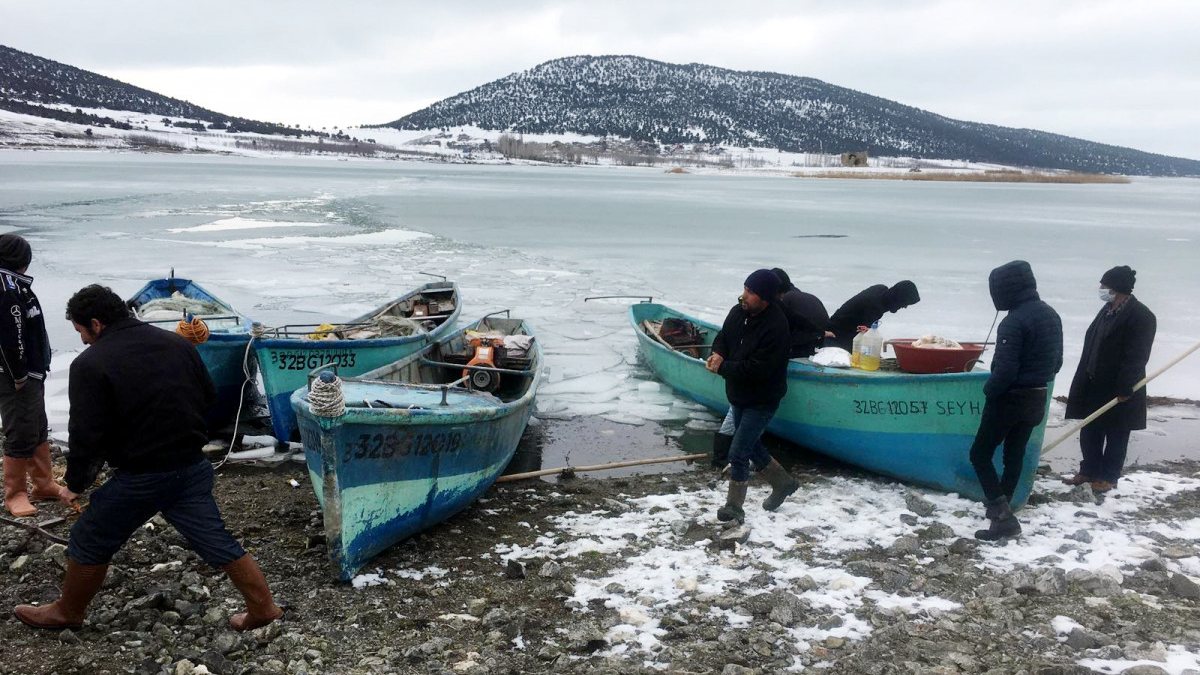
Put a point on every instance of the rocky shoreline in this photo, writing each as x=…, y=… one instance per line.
x=854, y=575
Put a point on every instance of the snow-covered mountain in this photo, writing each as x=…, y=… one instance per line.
x=645, y=100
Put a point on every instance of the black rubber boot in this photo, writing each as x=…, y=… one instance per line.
x=782, y=485
x=1003, y=523
x=720, y=451
x=733, y=503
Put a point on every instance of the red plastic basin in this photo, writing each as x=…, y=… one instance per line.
x=928, y=361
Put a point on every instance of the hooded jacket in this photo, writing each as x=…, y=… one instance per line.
x=868, y=307
x=755, y=348
x=1121, y=352
x=24, y=344
x=1029, y=345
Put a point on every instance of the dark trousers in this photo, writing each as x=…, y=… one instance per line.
x=22, y=416
x=1009, y=419
x=747, y=446
x=1104, y=448
x=123, y=504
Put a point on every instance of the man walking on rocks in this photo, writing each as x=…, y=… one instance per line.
x=751, y=353
x=138, y=396
x=1116, y=348
x=1029, y=351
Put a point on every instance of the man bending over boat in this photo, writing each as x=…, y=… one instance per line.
x=138, y=396
x=866, y=308
x=1029, y=351
x=751, y=353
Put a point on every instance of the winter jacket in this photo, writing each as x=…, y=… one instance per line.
x=24, y=344
x=138, y=397
x=807, y=319
x=755, y=349
x=1120, y=356
x=863, y=309
x=1029, y=343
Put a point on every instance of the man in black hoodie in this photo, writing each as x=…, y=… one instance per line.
x=866, y=308
x=1029, y=351
x=751, y=353
x=138, y=396
x=806, y=316
x=24, y=365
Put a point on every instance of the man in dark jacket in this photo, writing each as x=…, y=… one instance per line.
x=806, y=316
x=1116, y=348
x=138, y=396
x=866, y=308
x=1028, y=354
x=751, y=353
x=24, y=364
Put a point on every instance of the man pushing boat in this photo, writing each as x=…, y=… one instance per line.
x=751, y=353
x=138, y=396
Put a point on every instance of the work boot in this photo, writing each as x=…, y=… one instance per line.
x=720, y=452
x=41, y=474
x=260, y=606
x=1077, y=479
x=80, y=585
x=1003, y=523
x=16, y=489
x=1101, y=486
x=782, y=485
x=733, y=502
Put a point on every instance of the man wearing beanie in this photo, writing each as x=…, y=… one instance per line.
x=751, y=353
x=1116, y=348
x=24, y=362
x=866, y=308
x=1029, y=350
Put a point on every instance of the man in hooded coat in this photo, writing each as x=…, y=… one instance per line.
x=866, y=308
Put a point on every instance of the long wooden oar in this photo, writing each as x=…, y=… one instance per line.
x=599, y=467
x=1108, y=406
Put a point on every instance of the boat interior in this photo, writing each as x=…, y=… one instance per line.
x=418, y=313
x=168, y=311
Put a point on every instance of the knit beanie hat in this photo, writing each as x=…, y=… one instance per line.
x=763, y=283
x=1120, y=279
x=785, y=282
x=15, y=252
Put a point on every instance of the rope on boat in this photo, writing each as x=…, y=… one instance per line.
x=257, y=330
x=194, y=329
x=325, y=396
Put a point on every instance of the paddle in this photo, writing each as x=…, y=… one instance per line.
x=1108, y=406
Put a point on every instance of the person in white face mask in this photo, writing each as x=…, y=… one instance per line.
x=1115, y=351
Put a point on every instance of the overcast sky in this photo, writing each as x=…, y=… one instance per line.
x=1123, y=72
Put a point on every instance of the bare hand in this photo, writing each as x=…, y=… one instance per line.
x=18, y=386
x=714, y=362
x=67, y=497
x=829, y=333
x=1122, y=399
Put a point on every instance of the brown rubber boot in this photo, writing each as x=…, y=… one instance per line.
x=733, y=502
x=1077, y=479
x=16, y=490
x=260, y=606
x=41, y=474
x=782, y=485
x=80, y=585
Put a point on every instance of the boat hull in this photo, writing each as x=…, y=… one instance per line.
x=916, y=428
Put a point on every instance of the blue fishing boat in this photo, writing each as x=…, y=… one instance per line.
x=395, y=330
x=419, y=439
x=917, y=428
x=165, y=302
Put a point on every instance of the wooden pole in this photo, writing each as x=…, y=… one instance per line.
x=37, y=527
x=1108, y=406
x=599, y=467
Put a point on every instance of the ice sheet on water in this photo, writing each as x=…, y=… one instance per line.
x=239, y=223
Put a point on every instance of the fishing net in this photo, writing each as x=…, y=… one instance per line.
x=174, y=307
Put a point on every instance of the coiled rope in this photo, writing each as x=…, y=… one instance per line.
x=325, y=396
x=194, y=329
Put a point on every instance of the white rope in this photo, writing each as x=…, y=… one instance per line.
x=256, y=331
x=325, y=398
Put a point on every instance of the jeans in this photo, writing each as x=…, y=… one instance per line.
x=1104, y=448
x=124, y=503
x=747, y=447
x=1009, y=419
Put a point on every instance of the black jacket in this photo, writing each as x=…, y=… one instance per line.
x=863, y=309
x=24, y=344
x=138, y=397
x=1120, y=357
x=807, y=319
x=1029, y=344
x=755, y=349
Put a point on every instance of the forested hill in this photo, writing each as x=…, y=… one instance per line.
x=641, y=99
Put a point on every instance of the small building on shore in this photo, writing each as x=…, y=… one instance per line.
x=858, y=158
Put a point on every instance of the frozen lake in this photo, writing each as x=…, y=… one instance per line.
x=289, y=240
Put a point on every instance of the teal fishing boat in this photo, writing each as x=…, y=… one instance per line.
x=916, y=428
x=395, y=330
x=165, y=302
x=419, y=439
